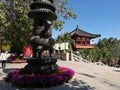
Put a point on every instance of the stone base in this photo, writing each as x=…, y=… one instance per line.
x=41, y=61
x=46, y=69
x=44, y=65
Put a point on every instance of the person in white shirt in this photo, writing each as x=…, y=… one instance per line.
x=3, y=59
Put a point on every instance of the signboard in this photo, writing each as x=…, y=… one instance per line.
x=62, y=46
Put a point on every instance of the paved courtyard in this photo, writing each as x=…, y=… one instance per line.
x=87, y=77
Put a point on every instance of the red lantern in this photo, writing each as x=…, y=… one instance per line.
x=27, y=51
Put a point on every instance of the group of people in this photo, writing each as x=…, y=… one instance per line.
x=3, y=59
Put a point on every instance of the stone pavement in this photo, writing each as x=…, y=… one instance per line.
x=87, y=77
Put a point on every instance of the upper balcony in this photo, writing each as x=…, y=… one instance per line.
x=78, y=46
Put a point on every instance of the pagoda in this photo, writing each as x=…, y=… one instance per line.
x=83, y=38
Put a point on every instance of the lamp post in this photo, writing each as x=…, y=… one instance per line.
x=64, y=46
x=59, y=50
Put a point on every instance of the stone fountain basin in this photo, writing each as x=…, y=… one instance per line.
x=41, y=61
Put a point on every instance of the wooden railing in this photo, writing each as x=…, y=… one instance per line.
x=84, y=46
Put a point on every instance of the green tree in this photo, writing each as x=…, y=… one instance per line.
x=16, y=26
x=63, y=12
x=109, y=49
x=106, y=55
x=116, y=50
x=93, y=55
x=89, y=54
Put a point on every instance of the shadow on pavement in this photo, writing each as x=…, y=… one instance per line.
x=72, y=85
x=116, y=70
x=6, y=70
x=85, y=74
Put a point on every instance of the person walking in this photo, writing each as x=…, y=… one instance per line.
x=3, y=59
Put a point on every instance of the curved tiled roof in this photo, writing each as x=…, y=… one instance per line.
x=83, y=33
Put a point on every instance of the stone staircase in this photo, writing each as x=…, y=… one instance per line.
x=78, y=58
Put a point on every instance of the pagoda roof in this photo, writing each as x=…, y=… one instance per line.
x=80, y=32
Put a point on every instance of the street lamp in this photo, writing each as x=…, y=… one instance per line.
x=64, y=46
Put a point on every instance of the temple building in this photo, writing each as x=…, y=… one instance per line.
x=83, y=38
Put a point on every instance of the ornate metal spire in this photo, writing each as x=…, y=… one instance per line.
x=43, y=9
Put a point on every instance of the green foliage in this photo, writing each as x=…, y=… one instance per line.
x=16, y=26
x=105, y=55
x=112, y=45
x=63, y=12
x=5, y=45
x=105, y=51
x=89, y=54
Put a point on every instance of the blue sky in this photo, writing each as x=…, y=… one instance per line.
x=94, y=16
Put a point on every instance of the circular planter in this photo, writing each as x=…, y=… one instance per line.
x=41, y=80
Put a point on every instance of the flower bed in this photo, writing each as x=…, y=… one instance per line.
x=35, y=81
x=18, y=61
